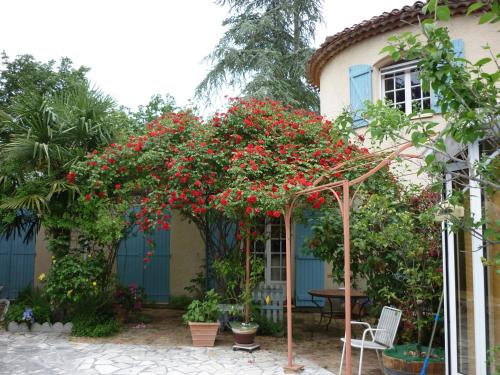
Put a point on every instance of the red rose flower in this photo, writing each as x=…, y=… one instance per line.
x=70, y=177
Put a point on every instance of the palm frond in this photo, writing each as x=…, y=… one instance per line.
x=34, y=203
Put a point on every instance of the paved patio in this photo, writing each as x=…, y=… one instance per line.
x=27, y=353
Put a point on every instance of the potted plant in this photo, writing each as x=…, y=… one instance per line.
x=231, y=272
x=201, y=316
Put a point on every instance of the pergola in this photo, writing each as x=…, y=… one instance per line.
x=383, y=158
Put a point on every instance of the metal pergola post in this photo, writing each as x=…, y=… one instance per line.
x=344, y=205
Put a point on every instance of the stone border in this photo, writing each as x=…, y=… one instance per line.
x=46, y=327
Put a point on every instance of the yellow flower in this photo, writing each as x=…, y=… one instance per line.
x=41, y=277
x=68, y=293
x=94, y=283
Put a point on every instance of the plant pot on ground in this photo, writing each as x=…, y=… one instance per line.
x=201, y=316
x=407, y=360
x=244, y=333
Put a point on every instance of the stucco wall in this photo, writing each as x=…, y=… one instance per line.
x=334, y=79
x=187, y=254
x=42, y=256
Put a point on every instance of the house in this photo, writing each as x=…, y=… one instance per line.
x=179, y=256
x=349, y=70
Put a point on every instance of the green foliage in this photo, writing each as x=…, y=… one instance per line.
x=264, y=51
x=266, y=326
x=74, y=278
x=196, y=287
x=467, y=94
x=494, y=359
x=95, y=326
x=395, y=247
x=51, y=118
x=179, y=302
x=38, y=301
x=25, y=76
x=15, y=313
x=131, y=297
x=157, y=106
x=203, y=311
x=231, y=275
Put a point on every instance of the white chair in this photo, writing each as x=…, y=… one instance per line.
x=383, y=338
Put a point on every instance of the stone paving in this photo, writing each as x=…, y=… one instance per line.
x=43, y=353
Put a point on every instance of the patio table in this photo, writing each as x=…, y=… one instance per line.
x=331, y=294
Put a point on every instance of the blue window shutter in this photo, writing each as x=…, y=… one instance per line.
x=17, y=264
x=309, y=271
x=360, y=86
x=130, y=265
x=458, y=49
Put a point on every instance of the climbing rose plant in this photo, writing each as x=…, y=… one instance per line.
x=274, y=152
x=244, y=164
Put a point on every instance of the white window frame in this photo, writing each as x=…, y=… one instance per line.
x=268, y=254
x=405, y=67
x=478, y=277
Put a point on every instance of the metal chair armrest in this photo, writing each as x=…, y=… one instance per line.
x=371, y=330
x=361, y=323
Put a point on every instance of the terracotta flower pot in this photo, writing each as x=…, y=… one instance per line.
x=203, y=334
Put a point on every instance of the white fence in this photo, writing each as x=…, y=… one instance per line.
x=269, y=299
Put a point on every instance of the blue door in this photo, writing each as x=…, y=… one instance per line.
x=153, y=276
x=309, y=271
x=17, y=265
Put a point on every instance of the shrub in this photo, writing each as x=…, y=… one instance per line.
x=179, y=302
x=15, y=314
x=73, y=278
x=267, y=327
x=130, y=297
x=33, y=299
x=95, y=326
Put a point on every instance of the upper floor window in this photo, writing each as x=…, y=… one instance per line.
x=402, y=87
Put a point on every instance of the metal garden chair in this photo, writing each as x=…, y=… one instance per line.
x=382, y=337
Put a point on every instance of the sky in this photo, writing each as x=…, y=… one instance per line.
x=138, y=48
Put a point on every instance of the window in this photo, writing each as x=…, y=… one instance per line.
x=402, y=86
x=271, y=246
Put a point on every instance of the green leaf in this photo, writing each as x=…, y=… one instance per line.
x=443, y=13
x=474, y=7
x=487, y=17
x=483, y=61
x=430, y=158
x=388, y=49
x=429, y=8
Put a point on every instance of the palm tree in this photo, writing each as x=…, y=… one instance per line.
x=41, y=136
